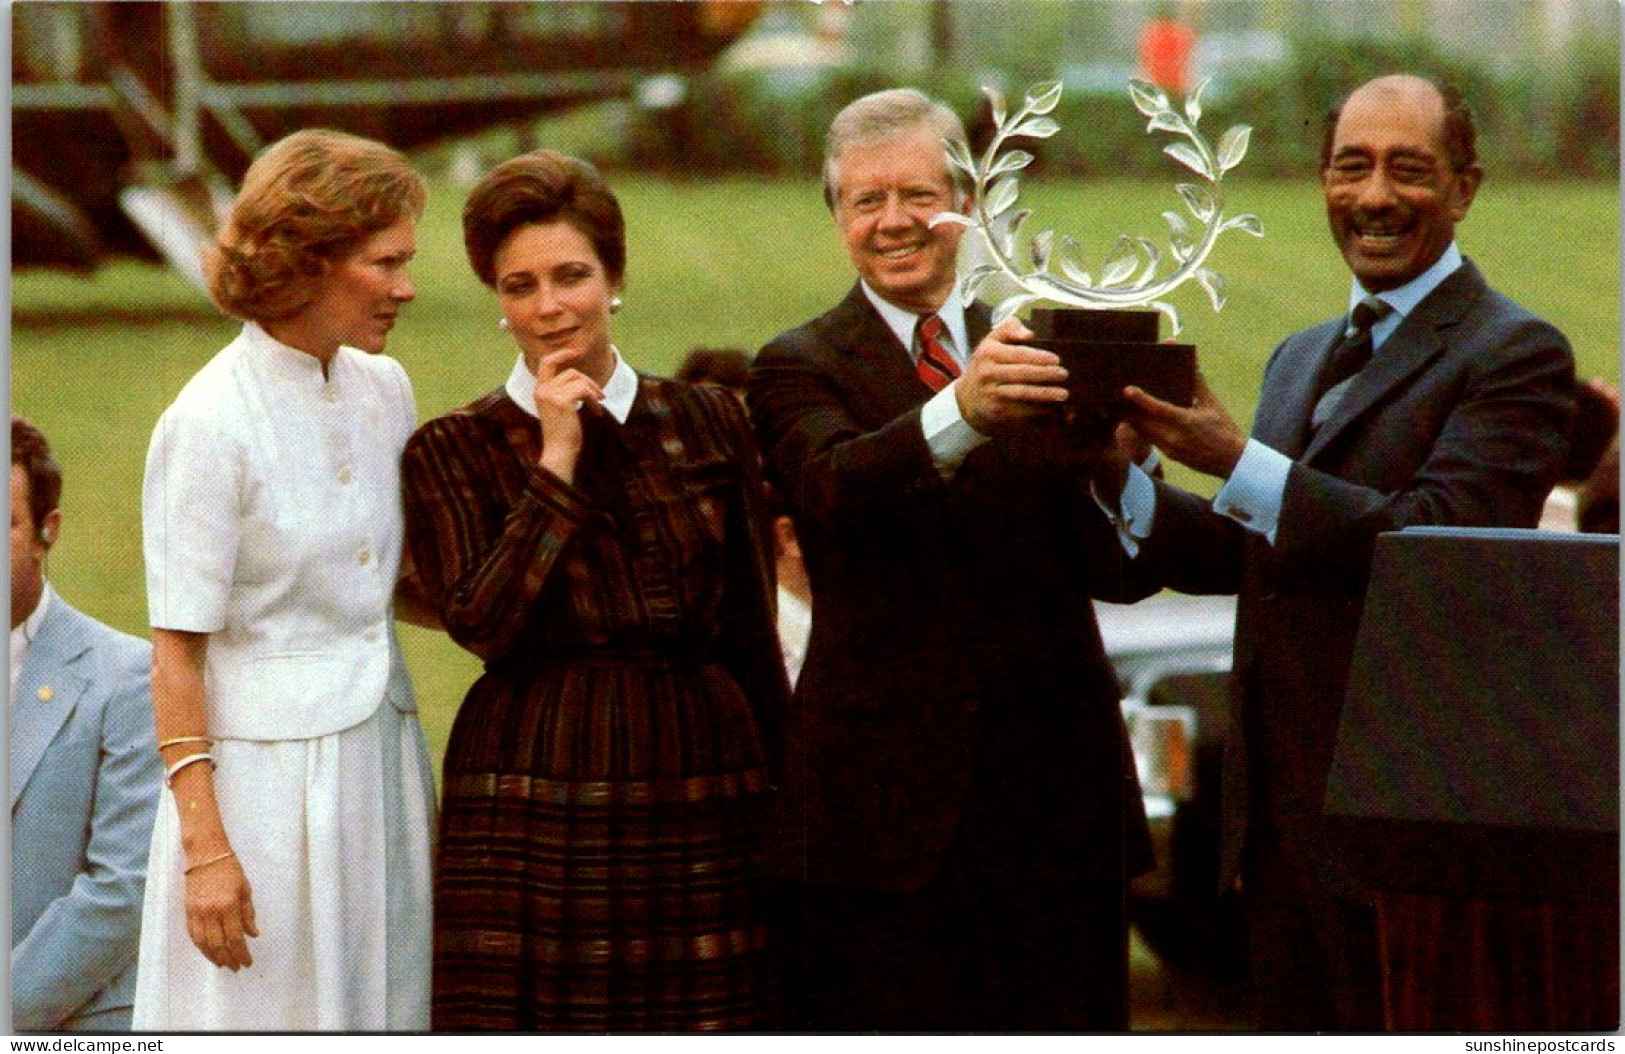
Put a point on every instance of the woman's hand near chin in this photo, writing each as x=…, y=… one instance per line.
x=560, y=393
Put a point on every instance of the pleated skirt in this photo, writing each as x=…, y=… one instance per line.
x=599, y=853
x=334, y=835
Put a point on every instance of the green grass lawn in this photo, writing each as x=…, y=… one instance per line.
x=94, y=361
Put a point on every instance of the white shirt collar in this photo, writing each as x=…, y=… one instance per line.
x=24, y=635
x=902, y=322
x=1403, y=299
x=619, y=393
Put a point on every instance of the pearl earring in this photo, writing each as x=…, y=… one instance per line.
x=502, y=323
x=615, y=304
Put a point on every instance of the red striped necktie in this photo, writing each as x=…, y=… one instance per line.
x=935, y=366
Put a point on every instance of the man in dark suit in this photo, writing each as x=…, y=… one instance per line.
x=85, y=775
x=961, y=812
x=1434, y=401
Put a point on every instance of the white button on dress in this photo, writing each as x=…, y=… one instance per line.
x=264, y=482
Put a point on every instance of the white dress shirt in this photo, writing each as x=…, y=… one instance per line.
x=271, y=516
x=24, y=633
x=795, y=628
x=1253, y=494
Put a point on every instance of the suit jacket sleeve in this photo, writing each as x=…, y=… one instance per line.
x=1496, y=454
x=86, y=938
x=1475, y=439
x=1191, y=548
x=839, y=475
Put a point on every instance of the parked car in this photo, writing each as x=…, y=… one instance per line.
x=1172, y=656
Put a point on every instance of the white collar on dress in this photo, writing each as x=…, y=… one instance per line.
x=619, y=393
x=285, y=362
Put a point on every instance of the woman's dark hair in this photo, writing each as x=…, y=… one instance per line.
x=543, y=187
x=728, y=367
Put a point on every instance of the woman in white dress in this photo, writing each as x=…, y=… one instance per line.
x=289, y=883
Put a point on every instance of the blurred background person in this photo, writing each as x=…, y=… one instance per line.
x=1166, y=45
x=730, y=368
x=1587, y=471
x=601, y=539
x=302, y=798
x=84, y=780
x=724, y=367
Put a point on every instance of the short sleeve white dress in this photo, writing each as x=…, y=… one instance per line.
x=271, y=520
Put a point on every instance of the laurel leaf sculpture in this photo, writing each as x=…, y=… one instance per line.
x=1131, y=274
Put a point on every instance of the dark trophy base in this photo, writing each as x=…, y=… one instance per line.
x=1105, y=351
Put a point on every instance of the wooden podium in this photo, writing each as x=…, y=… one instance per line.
x=1474, y=792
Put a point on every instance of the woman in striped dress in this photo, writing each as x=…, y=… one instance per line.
x=600, y=539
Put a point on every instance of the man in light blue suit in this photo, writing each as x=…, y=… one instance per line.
x=84, y=781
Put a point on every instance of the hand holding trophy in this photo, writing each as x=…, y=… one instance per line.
x=1105, y=340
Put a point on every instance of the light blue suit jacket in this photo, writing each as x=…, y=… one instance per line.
x=85, y=776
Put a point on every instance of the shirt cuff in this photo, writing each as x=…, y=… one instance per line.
x=1252, y=495
x=1136, y=507
x=947, y=435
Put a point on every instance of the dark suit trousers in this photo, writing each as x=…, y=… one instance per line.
x=1020, y=929
x=1313, y=949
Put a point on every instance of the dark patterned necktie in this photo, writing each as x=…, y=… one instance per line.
x=1350, y=355
x=935, y=366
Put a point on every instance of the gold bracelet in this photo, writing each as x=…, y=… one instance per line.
x=169, y=774
x=183, y=739
x=211, y=860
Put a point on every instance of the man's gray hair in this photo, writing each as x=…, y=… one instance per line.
x=885, y=115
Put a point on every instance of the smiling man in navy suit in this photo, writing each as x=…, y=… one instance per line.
x=84, y=781
x=1433, y=400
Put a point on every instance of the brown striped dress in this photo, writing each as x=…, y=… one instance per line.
x=605, y=783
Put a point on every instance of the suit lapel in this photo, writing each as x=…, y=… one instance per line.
x=1406, y=352
x=885, y=368
x=1284, y=408
x=48, y=688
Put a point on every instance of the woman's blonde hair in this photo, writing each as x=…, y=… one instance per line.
x=309, y=199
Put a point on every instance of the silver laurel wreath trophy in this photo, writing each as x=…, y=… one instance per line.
x=1104, y=336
